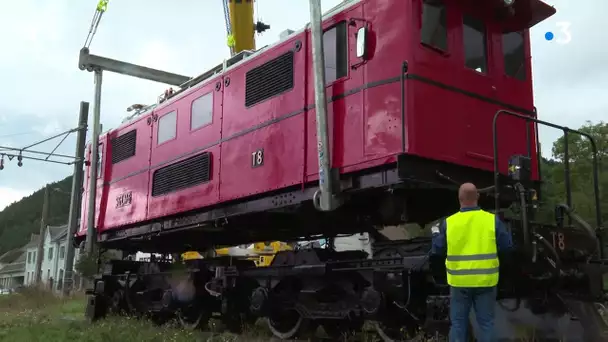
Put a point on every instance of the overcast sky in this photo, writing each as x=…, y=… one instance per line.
x=41, y=85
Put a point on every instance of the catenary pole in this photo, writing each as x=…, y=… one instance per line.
x=91, y=237
x=43, y=223
x=76, y=197
x=326, y=198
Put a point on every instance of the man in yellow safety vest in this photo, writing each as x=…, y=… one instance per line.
x=470, y=240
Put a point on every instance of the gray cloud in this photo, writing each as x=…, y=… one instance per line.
x=570, y=81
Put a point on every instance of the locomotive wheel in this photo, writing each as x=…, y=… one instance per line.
x=290, y=324
x=393, y=332
x=342, y=329
x=193, y=318
x=117, y=302
x=237, y=322
x=158, y=318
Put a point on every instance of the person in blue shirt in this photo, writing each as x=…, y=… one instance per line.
x=471, y=226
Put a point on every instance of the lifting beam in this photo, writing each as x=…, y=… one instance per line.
x=98, y=64
x=92, y=63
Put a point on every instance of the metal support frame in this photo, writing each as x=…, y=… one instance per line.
x=98, y=64
x=326, y=198
x=75, y=199
x=90, y=239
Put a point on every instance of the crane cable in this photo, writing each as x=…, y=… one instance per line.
x=230, y=37
x=102, y=5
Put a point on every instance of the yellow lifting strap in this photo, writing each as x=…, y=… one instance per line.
x=102, y=5
x=231, y=41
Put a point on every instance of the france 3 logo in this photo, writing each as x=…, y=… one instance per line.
x=563, y=36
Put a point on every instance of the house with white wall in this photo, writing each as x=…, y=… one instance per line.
x=54, y=258
x=12, y=266
x=30, y=259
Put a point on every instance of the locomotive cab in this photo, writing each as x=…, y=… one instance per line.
x=467, y=60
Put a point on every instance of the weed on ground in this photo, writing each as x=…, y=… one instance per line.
x=37, y=316
x=34, y=315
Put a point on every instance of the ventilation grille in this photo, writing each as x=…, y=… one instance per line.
x=181, y=175
x=123, y=147
x=269, y=79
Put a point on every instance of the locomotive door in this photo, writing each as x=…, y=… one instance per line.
x=184, y=157
x=99, y=187
x=479, y=77
x=343, y=74
x=84, y=205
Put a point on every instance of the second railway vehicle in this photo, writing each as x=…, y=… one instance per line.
x=422, y=95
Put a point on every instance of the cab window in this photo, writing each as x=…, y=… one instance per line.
x=475, y=46
x=201, y=113
x=167, y=127
x=434, y=32
x=514, y=56
x=335, y=51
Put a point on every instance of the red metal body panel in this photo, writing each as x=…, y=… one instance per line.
x=448, y=116
x=279, y=130
x=129, y=176
x=345, y=113
x=389, y=43
x=187, y=144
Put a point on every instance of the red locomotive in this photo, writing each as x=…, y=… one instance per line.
x=417, y=107
x=422, y=95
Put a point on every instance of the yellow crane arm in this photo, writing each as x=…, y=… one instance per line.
x=240, y=25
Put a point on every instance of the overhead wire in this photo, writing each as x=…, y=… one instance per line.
x=26, y=153
x=16, y=134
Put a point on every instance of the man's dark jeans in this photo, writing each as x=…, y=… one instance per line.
x=482, y=300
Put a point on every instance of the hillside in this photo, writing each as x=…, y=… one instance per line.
x=20, y=219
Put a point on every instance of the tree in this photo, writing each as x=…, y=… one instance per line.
x=21, y=219
x=580, y=157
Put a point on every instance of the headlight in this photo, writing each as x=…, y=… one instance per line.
x=509, y=2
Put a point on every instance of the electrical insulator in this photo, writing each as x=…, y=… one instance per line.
x=20, y=164
x=2, y=163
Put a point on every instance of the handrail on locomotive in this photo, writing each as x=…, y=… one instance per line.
x=521, y=174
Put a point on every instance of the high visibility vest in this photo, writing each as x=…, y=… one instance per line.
x=472, y=259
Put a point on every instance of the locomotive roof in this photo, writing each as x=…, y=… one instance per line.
x=539, y=10
x=226, y=65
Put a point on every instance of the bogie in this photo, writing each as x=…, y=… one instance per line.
x=305, y=289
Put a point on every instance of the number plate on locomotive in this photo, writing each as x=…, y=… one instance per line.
x=124, y=199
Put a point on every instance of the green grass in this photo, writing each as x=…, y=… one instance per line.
x=35, y=315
